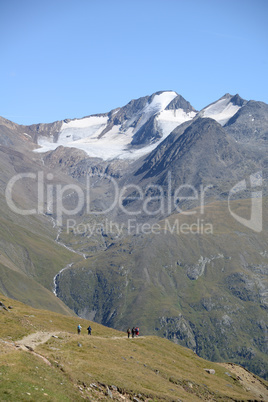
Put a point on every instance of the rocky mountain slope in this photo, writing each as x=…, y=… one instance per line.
x=143, y=214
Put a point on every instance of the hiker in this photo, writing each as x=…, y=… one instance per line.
x=79, y=329
x=89, y=330
x=137, y=331
x=133, y=332
x=128, y=332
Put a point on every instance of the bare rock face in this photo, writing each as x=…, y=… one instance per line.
x=50, y=130
x=14, y=136
x=197, y=270
x=64, y=158
x=180, y=103
x=199, y=152
x=179, y=330
x=250, y=124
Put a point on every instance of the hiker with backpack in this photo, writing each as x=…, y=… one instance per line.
x=133, y=332
x=79, y=329
x=89, y=330
x=128, y=332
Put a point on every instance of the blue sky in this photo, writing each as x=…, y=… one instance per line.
x=65, y=59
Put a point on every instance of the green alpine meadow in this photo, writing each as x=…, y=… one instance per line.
x=43, y=358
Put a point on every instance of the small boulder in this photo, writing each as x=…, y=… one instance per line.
x=109, y=393
x=210, y=371
x=3, y=306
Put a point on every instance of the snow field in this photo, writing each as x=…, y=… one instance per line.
x=221, y=111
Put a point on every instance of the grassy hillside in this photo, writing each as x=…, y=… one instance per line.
x=29, y=260
x=71, y=367
x=30, y=257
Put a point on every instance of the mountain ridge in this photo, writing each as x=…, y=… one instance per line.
x=148, y=118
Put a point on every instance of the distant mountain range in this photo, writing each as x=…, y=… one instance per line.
x=153, y=214
x=135, y=129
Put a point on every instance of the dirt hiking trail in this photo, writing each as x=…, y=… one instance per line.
x=30, y=342
x=37, y=338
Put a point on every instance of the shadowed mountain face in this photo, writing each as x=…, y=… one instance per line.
x=204, y=147
x=250, y=124
x=145, y=215
x=197, y=155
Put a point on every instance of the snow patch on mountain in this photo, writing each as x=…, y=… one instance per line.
x=168, y=120
x=158, y=104
x=89, y=127
x=221, y=111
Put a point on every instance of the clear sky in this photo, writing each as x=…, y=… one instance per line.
x=71, y=58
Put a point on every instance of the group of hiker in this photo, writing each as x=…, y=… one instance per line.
x=88, y=329
x=134, y=332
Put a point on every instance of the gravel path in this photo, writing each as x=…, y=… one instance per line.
x=37, y=338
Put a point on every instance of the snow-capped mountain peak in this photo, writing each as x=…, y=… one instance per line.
x=137, y=128
x=125, y=133
x=223, y=109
